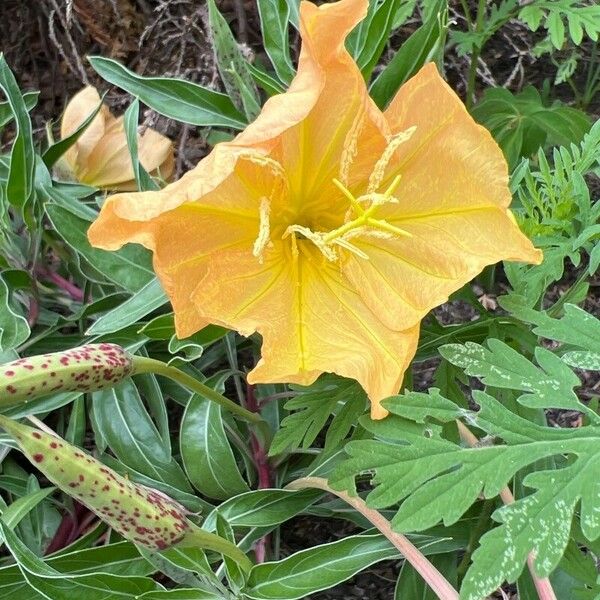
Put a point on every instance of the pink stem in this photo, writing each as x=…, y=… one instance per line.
x=434, y=579
x=263, y=468
x=64, y=284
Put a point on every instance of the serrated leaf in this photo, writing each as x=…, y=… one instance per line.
x=436, y=480
x=314, y=405
x=521, y=123
x=549, y=385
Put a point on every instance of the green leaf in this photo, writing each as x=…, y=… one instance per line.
x=436, y=480
x=263, y=508
x=21, y=506
x=55, y=151
x=314, y=405
x=181, y=594
x=317, y=568
x=207, y=456
x=549, y=385
x=55, y=585
x=232, y=66
x=175, y=98
x=130, y=123
x=552, y=14
x=521, y=123
x=148, y=299
x=6, y=113
x=130, y=267
x=368, y=39
x=274, y=17
x=14, y=329
x=412, y=55
x=20, y=176
x=127, y=428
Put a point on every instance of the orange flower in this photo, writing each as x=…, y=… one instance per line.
x=100, y=157
x=327, y=226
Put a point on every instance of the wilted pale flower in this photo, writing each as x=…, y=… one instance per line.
x=328, y=226
x=100, y=157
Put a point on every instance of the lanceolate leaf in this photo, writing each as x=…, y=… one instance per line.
x=412, y=55
x=22, y=161
x=233, y=67
x=274, y=16
x=207, y=455
x=181, y=100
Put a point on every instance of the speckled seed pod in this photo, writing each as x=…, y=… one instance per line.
x=140, y=514
x=83, y=369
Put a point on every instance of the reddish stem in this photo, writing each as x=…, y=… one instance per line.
x=68, y=529
x=64, y=284
x=263, y=468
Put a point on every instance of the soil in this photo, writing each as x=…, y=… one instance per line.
x=46, y=43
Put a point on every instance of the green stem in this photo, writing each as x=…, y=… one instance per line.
x=142, y=364
x=476, y=533
x=197, y=537
x=555, y=309
x=434, y=579
x=475, y=56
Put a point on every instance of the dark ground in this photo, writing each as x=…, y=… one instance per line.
x=46, y=43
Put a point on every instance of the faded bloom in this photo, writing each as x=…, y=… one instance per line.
x=329, y=227
x=100, y=157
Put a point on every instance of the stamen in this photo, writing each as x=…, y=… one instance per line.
x=261, y=160
x=316, y=238
x=378, y=174
x=344, y=243
x=263, y=239
x=350, y=149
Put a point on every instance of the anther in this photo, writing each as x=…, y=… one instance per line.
x=377, y=176
x=263, y=239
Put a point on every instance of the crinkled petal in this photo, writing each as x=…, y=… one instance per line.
x=310, y=319
x=453, y=199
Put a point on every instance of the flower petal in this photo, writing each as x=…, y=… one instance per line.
x=453, y=199
x=310, y=319
x=76, y=112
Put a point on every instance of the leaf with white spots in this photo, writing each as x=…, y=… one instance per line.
x=549, y=385
x=435, y=480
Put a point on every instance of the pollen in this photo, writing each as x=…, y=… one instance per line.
x=263, y=240
x=378, y=174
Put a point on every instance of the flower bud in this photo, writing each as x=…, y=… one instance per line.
x=85, y=369
x=140, y=514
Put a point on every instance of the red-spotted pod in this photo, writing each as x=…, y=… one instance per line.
x=140, y=514
x=85, y=369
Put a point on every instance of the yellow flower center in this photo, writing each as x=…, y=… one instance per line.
x=361, y=217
